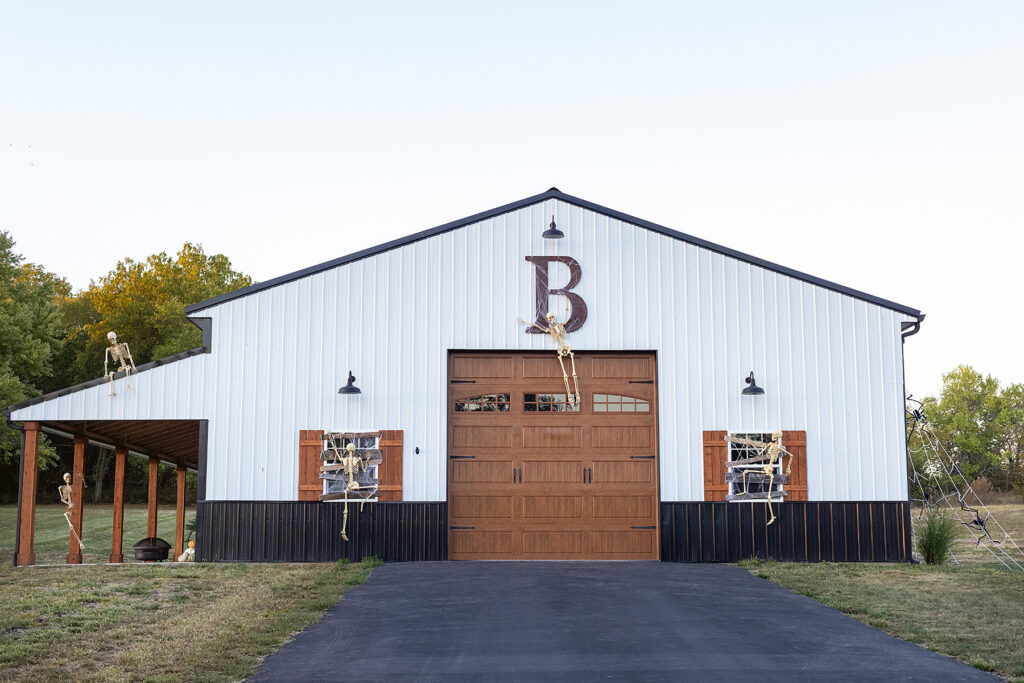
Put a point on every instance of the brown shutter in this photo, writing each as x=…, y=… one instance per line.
x=311, y=442
x=796, y=443
x=716, y=455
x=390, y=471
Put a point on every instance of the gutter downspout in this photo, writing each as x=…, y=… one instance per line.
x=914, y=328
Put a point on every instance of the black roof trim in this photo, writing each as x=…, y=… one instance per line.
x=553, y=193
x=204, y=324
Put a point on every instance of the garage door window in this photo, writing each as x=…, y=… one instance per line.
x=548, y=403
x=614, y=403
x=487, y=403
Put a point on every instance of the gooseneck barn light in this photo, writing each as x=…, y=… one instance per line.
x=350, y=387
x=752, y=389
x=552, y=233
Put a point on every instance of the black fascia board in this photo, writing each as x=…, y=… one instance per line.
x=554, y=193
x=204, y=324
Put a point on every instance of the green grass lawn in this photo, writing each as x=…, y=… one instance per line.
x=52, y=532
x=975, y=614
x=148, y=622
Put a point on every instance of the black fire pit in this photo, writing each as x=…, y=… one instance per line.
x=152, y=548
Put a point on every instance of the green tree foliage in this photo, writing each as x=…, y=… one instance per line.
x=144, y=303
x=30, y=336
x=981, y=426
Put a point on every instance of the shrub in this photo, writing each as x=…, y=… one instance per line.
x=936, y=538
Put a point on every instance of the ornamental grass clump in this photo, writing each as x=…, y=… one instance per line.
x=936, y=538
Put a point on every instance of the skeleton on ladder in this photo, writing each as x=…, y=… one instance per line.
x=561, y=337
x=767, y=453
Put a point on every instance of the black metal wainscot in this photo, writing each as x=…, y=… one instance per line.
x=292, y=531
x=802, y=532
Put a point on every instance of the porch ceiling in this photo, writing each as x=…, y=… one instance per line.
x=174, y=440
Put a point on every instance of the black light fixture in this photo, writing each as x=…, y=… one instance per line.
x=351, y=387
x=552, y=233
x=752, y=389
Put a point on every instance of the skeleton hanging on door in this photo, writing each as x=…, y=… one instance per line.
x=561, y=337
x=120, y=354
x=66, y=492
x=348, y=470
x=767, y=453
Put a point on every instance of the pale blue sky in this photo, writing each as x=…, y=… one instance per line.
x=876, y=144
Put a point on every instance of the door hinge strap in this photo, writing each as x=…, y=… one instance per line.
x=462, y=457
x=641, y=457
x=643, y=527
x=641, y=381
x=463, y=381
x=461, y=528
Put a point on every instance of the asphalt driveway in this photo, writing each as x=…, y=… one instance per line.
x=443, y=621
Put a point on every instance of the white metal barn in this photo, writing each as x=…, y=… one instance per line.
x=486, y=454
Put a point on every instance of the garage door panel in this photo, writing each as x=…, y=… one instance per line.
x=482, y=471
x=625, y=437
x=552, y=436
x=631, y=542
x=484, y=507
x=552, y=472
x=621, y=367
x=623, y=507
x=481, y=542
x=560, y=543
x=480, y=367
x=624, y=472
x=552, y=507
x=482, y=437
x=544, y=368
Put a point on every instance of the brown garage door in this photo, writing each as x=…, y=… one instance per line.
x=530, y=477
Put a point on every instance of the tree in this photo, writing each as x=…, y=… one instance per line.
x=144, y=303
x=966, y=418
x=30, y=335
x=1011, y=435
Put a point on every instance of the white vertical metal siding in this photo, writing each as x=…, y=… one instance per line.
x=830, y=364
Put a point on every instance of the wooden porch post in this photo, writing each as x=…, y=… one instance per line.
x=179, y=519
x=29, y=477
x=115, y=545
x=78, y=498
x=154, y=464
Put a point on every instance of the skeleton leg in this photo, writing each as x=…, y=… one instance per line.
x=81, y=546
x=575, y=380
x=768, y=502
x=110, y=381
x=565, y=378
x=344, y=520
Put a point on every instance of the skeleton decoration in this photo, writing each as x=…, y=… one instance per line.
x=766, y=454
x=347, y=470
x=66, y=492
x=120, y=355
x=561, y=337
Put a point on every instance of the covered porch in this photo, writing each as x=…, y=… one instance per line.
x=180, y=444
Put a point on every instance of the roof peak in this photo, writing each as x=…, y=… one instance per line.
x=552, y=192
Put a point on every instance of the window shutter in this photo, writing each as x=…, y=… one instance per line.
x=389, y=472
x=716, y=455
x=311, y=442
x=796, y=443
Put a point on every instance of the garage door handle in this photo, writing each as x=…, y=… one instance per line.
x=590, y=475
x=520, y=475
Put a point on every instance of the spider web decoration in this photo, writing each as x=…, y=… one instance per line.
x=942, y=486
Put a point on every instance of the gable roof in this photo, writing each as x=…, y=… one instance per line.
x=553, y=193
